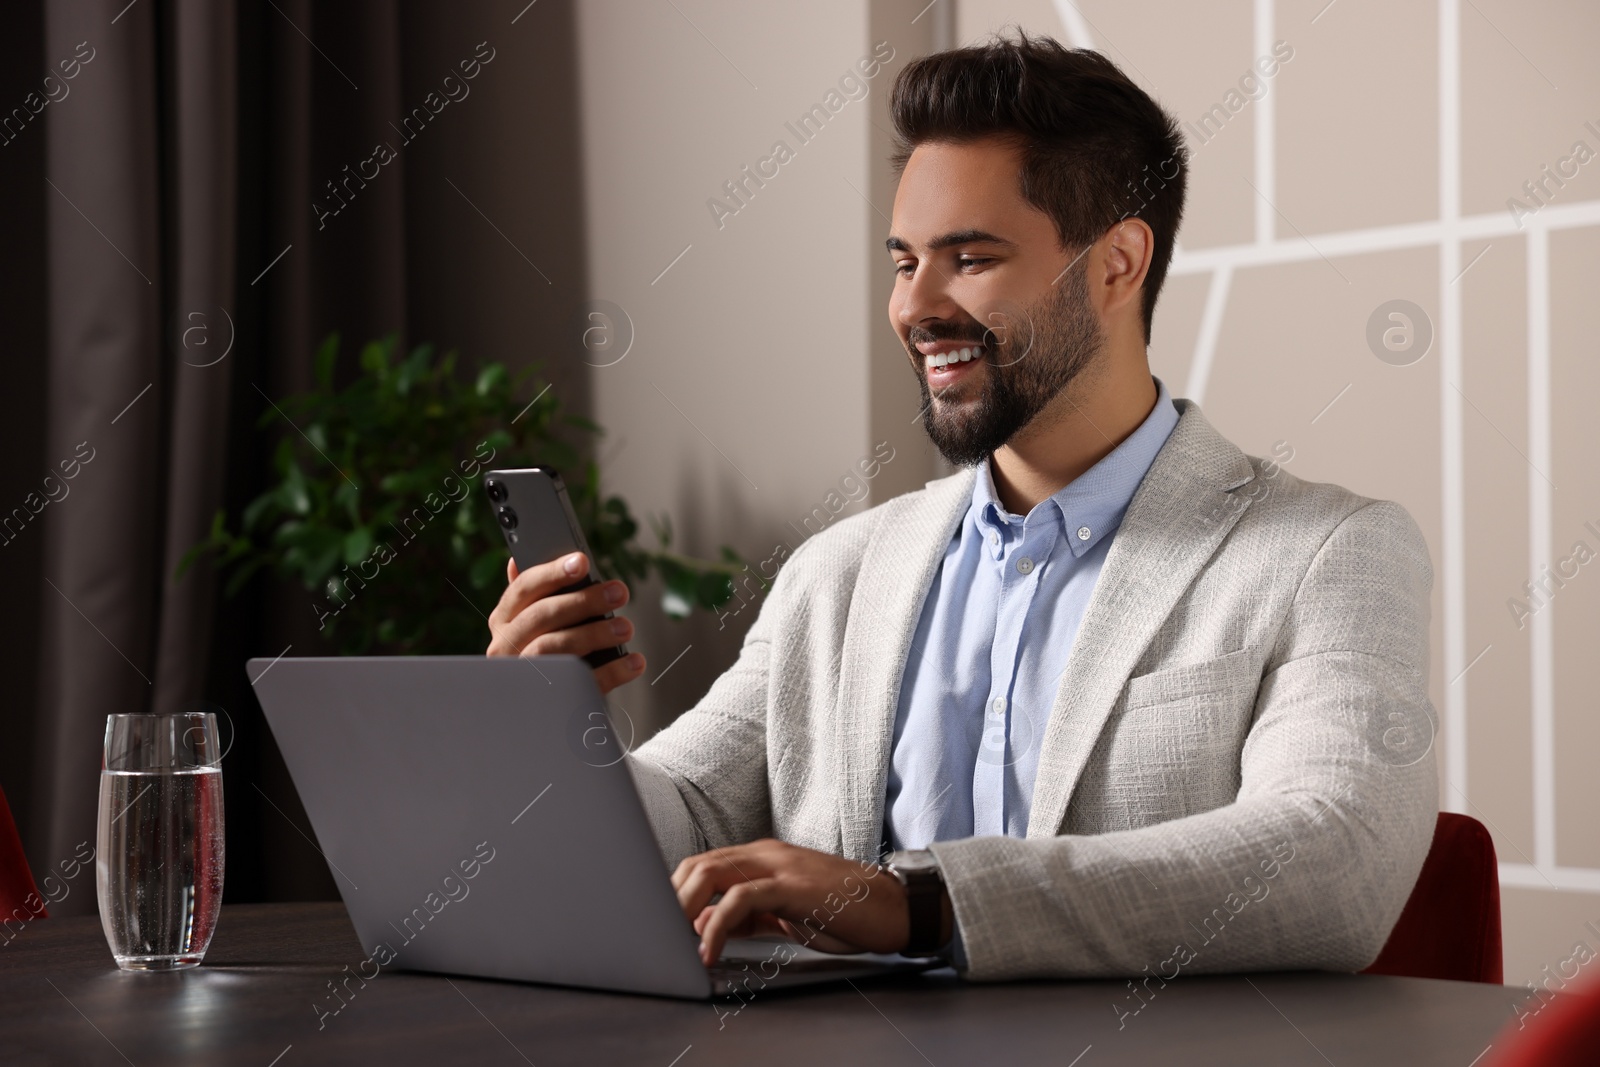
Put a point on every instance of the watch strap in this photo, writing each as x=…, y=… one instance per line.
x=924, y=886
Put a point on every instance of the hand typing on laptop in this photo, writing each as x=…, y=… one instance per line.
x=769, y=887
x=534, y=618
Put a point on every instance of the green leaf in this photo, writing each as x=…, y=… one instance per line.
x=323, y=363
x=713, y=590
x=493, y=375
x=413, y=369
x=258, y=508
x=295, y=493
x=321, y=557
x=347, y=498
x=682, y=585
x=283, y=457
x=358, y=545
x=375, y=359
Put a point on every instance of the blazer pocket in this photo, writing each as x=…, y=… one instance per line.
x=1215, y=676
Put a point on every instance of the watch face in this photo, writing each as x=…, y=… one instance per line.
x=913, y=860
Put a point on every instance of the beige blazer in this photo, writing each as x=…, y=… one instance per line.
x=1238, y=770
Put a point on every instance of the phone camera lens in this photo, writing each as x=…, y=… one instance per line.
x=496, y=491
x=508, y=518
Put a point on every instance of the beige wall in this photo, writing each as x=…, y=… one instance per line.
x=1378, y=166
x=762, y=371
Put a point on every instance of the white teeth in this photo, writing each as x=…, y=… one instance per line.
x=960, y=355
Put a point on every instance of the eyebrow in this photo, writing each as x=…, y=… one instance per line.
x=958, y=237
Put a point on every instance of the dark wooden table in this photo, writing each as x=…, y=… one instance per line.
x=256, y=1002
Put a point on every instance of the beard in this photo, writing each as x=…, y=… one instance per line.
x=1056, y=341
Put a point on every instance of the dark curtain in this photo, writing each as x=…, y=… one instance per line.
x=183, y=278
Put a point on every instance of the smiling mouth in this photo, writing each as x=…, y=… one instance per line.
x=940, y=360
x=942, y=369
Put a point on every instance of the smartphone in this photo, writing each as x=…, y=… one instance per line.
x=535, y=515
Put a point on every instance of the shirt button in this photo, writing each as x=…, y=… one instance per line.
x=1083, y=533
x=1024, y=565
x=994, y=538
x=999, y=706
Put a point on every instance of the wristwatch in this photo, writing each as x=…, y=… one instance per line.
x=918, y=872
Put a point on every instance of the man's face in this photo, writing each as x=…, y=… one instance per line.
x=979, y=271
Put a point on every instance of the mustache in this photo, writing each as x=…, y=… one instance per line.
x=923, y=336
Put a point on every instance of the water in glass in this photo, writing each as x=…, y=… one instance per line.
x=159, y=864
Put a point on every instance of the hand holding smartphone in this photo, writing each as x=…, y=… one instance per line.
x=538, y=523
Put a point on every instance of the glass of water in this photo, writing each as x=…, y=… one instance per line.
x=158, y=870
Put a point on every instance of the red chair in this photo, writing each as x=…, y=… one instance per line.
x=1450, y=927
x=19, y=897
x=1565, y=1032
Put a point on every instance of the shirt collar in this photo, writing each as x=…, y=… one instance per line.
x=1092, y=505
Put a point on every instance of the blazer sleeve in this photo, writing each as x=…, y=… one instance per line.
x=1312, y=863
x=703, y=779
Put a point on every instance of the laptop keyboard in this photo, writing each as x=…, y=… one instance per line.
x=756, y=964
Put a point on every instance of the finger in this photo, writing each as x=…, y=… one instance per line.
x=685, y=865
x=697, y=887
x=759, y=924
x=753, y=925
x=727, y=856
x=536, y=583
x=581, y=640
x=556, y=611
x=619, y=671
x=511, y=571
x=733, y=911
x=699, y=878
x=764, y=924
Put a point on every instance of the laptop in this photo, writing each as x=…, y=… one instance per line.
x=480, y=819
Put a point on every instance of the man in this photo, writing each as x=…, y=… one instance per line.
x=1123, y=700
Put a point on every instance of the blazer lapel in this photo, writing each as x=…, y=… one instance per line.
x=1179, y=515
x=901, y=560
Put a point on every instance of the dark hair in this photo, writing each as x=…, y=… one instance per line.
x=1095, y=148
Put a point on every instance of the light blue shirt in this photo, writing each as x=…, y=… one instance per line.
x=992, y=643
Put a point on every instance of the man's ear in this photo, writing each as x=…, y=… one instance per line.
x=1128, y=248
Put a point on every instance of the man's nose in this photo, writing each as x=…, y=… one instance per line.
x=926, y=297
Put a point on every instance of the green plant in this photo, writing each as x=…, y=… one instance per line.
x=377, y=509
